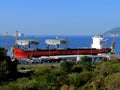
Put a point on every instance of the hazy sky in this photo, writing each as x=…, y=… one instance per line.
x=59, y=17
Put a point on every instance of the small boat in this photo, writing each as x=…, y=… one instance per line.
x=24, y=49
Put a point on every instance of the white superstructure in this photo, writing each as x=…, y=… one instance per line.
x=98, y=42
x=56, y=41
x=26, y=42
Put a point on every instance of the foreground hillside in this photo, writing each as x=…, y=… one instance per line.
x=85, y=75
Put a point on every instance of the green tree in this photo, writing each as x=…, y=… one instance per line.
x=85, y=62
x=3, y=70
x=66, y=66
x=8, y=68
x=3, y=51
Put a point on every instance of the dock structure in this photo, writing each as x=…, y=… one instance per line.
x=60, y=58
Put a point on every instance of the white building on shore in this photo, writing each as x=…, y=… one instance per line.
x=18, y=34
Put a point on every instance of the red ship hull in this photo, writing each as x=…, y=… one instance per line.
x=19, y=53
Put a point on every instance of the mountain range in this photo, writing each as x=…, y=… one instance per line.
x=113, y=31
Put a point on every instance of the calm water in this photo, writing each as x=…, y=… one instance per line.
x=74, y=41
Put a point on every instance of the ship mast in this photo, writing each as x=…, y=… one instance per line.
x=6, y=44
x=16, y=35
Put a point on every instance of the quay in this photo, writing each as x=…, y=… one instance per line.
x=60, y=58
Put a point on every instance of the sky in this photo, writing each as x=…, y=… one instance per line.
x=59, y=17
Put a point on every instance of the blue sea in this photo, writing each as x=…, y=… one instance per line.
x=74, y=41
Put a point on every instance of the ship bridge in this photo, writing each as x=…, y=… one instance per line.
x=99, y=42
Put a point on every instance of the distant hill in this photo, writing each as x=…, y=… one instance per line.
x=113, y=31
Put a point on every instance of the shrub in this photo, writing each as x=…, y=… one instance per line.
x=86, y=76
x=3, y=51
x=10, y=86
x=86, y=64
x=74, y=79
x=112, y=82
x=97, y=82
x=51, y=78
x=4, y=71
x=67, y=87
x=29, y=85
x=85, y=87
x=39, y=70
x=61, y=80
x=40, y=83
x=77, y=68
x=79, y=79
x=104, y=68
x=66, y=66
x=85, y=60
x=115, y=68
x=8, y=68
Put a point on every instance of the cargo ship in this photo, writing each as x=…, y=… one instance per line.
x=23, y=48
